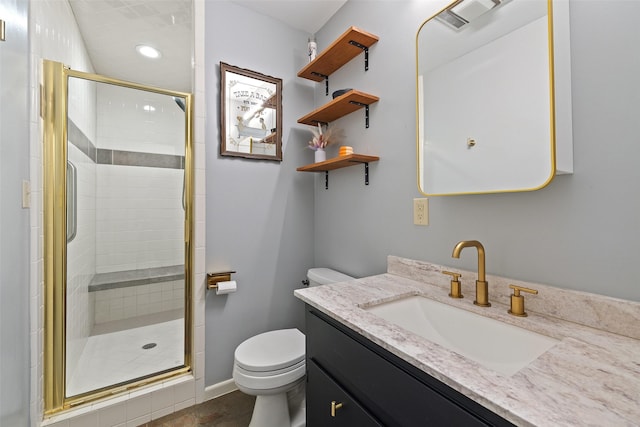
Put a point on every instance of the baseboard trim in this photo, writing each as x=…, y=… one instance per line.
x=219, y=389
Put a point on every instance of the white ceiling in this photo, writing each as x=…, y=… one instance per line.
x=305, y=15
x=112, y=28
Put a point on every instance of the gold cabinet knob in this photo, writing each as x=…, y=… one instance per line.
x=456, y=288
x=517, y=300
x=334, y=407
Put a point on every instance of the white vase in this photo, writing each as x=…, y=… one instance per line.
x=321, y=156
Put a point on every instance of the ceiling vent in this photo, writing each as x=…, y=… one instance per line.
x=461, y=13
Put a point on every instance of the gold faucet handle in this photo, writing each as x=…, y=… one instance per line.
x=454, y=276
x=456, y=288
x=517, y=300
x=517, y=289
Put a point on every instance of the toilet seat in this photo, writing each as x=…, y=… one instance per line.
x=261, y=374
x=271, y=353
x=250, y=383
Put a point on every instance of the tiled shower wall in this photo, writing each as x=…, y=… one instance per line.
x=54, y=35
x=81, y=260
x=133, y=120
x=134, y=301
x=81, y=253
x=139, y=209
x=139, y=218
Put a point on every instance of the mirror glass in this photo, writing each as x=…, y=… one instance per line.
x=126, y=209
x=485, y=105
x=250, y=114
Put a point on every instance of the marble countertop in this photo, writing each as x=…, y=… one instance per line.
x=591, y=377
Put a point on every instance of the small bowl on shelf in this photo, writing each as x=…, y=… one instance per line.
x=340, y=92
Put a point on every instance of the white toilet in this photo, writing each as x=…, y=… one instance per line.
x=271, y=366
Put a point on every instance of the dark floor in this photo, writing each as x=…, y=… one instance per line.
x=231, y=410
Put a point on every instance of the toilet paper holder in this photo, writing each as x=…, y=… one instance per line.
x=214, y=278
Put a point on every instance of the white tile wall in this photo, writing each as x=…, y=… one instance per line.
x=115, y=415
x=82, y=106
x=139, y=218
x=124, y=124
x=81, y=260
x=125, y=303
x=54, y=35
x=134, y=408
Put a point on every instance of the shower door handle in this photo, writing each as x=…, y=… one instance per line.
x=72, y=201
x=184, y=189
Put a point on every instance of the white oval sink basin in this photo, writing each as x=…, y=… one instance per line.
x=493, y=344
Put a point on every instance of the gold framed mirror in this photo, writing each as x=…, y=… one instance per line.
x=486, y=120
x=118, y=179
x=250, y=114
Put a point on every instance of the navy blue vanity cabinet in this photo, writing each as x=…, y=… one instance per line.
x=372, y=383
x=330, y=405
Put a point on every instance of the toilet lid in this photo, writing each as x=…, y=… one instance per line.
x=271, y=350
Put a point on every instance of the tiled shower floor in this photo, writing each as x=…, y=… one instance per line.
x=113, y=354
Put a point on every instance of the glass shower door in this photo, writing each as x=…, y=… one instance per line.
x=124, y=286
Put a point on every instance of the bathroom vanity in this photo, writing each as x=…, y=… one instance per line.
x=373, y=384
x=364, y=370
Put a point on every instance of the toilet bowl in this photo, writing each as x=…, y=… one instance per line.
x=271, y=366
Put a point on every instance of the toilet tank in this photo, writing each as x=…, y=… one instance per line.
x=324, y=276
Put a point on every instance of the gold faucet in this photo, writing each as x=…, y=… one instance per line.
x=456, y=287
x=517, y=300
x=482, y=287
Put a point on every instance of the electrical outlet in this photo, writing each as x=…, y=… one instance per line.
x=421, y=211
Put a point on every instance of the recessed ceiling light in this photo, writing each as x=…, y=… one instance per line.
x=148, y=51
x=149, y=108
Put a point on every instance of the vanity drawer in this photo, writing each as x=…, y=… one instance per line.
x=320, y=397
x=392, y=390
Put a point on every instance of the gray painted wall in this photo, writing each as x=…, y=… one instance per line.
x=271, y=223
x=259, y=213
x=579, y=233
x=14, y=221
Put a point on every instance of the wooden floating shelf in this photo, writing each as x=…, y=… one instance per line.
x=338, y=107
x=338, y=163
x=337, y=54
x=349, y=45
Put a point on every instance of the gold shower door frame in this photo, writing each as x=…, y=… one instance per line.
x=54, y=108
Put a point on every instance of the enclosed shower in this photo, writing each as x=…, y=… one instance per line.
x=121, y=163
